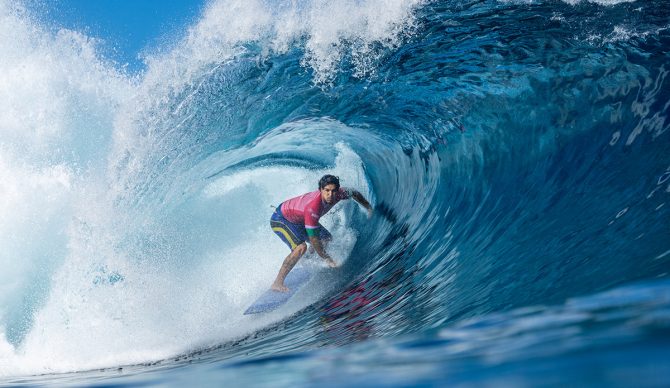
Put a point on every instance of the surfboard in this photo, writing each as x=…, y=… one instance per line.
x=271, y=299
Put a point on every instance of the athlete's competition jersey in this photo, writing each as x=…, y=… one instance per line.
x=308, y=208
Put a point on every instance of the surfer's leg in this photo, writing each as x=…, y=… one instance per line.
x=289, y=233
x=287, y=266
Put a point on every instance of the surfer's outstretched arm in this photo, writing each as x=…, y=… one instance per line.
x=318, y=247
x=358, y=197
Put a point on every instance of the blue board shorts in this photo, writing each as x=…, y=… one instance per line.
x=293, y=234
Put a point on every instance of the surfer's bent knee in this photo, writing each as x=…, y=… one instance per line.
x=300, y=249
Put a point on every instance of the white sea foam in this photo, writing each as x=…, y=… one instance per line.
x=329, y=29
x=88, y=281
x=57, y=102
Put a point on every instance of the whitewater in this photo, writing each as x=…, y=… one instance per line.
x=517, y=154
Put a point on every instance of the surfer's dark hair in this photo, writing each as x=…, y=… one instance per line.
x=329, y=180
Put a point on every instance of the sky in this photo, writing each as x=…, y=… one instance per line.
x=127, y=27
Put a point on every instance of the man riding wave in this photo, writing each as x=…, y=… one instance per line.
x=296, y=220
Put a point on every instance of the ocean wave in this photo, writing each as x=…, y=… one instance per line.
x=516, y=154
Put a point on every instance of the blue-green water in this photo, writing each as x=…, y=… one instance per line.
x=516, y=153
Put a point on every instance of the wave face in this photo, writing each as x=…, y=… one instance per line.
x=517, y=154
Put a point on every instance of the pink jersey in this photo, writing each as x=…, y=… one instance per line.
x=308, y=208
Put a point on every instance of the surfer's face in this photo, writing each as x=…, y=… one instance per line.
x=328, y=193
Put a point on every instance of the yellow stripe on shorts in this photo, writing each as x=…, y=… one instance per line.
x=287, y=235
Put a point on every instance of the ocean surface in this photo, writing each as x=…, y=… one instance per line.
x=517, y=154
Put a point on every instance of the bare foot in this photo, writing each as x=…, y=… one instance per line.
x=279, y=287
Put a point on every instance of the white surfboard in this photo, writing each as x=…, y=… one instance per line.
x=271, y=299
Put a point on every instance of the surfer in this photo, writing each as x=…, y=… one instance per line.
x=297, y=220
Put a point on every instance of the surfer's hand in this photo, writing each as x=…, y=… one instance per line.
x=370, y=210
x=331, y=263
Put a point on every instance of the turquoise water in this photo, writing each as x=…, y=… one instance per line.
x=516, y=154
